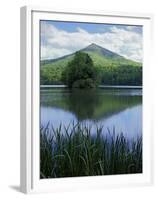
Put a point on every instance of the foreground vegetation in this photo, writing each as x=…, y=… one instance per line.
x=73, y=151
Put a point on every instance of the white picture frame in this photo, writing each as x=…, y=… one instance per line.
x=30, y=179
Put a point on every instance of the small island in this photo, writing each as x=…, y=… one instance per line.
x=80, y=72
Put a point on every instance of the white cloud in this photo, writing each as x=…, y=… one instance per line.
x=47, y=52
x=56, y=42
x=130, y=28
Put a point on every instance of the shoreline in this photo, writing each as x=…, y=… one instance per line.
x=100, y=86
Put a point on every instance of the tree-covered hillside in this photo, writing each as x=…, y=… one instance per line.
x=112, y=69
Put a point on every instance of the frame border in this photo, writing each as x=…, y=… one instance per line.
x=26, y=86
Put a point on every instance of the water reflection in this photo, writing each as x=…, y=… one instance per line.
x=121, y=109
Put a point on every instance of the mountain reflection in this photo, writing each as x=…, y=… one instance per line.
x=93, y=104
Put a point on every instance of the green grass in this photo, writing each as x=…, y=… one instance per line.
x=72, y=151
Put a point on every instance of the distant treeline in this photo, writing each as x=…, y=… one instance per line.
x=120, y=75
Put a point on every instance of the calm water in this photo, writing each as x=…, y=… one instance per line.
x=119, y=109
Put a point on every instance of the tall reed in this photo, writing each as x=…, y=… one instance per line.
x=74, y=151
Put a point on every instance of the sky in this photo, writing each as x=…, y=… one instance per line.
x=63, y=38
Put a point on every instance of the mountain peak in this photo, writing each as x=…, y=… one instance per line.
x=101, y=51
x=93, y=45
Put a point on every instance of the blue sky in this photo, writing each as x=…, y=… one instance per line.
x=62, y=38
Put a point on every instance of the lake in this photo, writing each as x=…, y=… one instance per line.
x=114, y=109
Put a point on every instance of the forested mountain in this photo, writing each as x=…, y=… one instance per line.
x=112, y=68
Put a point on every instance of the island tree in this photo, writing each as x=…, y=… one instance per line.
x=80, y=72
